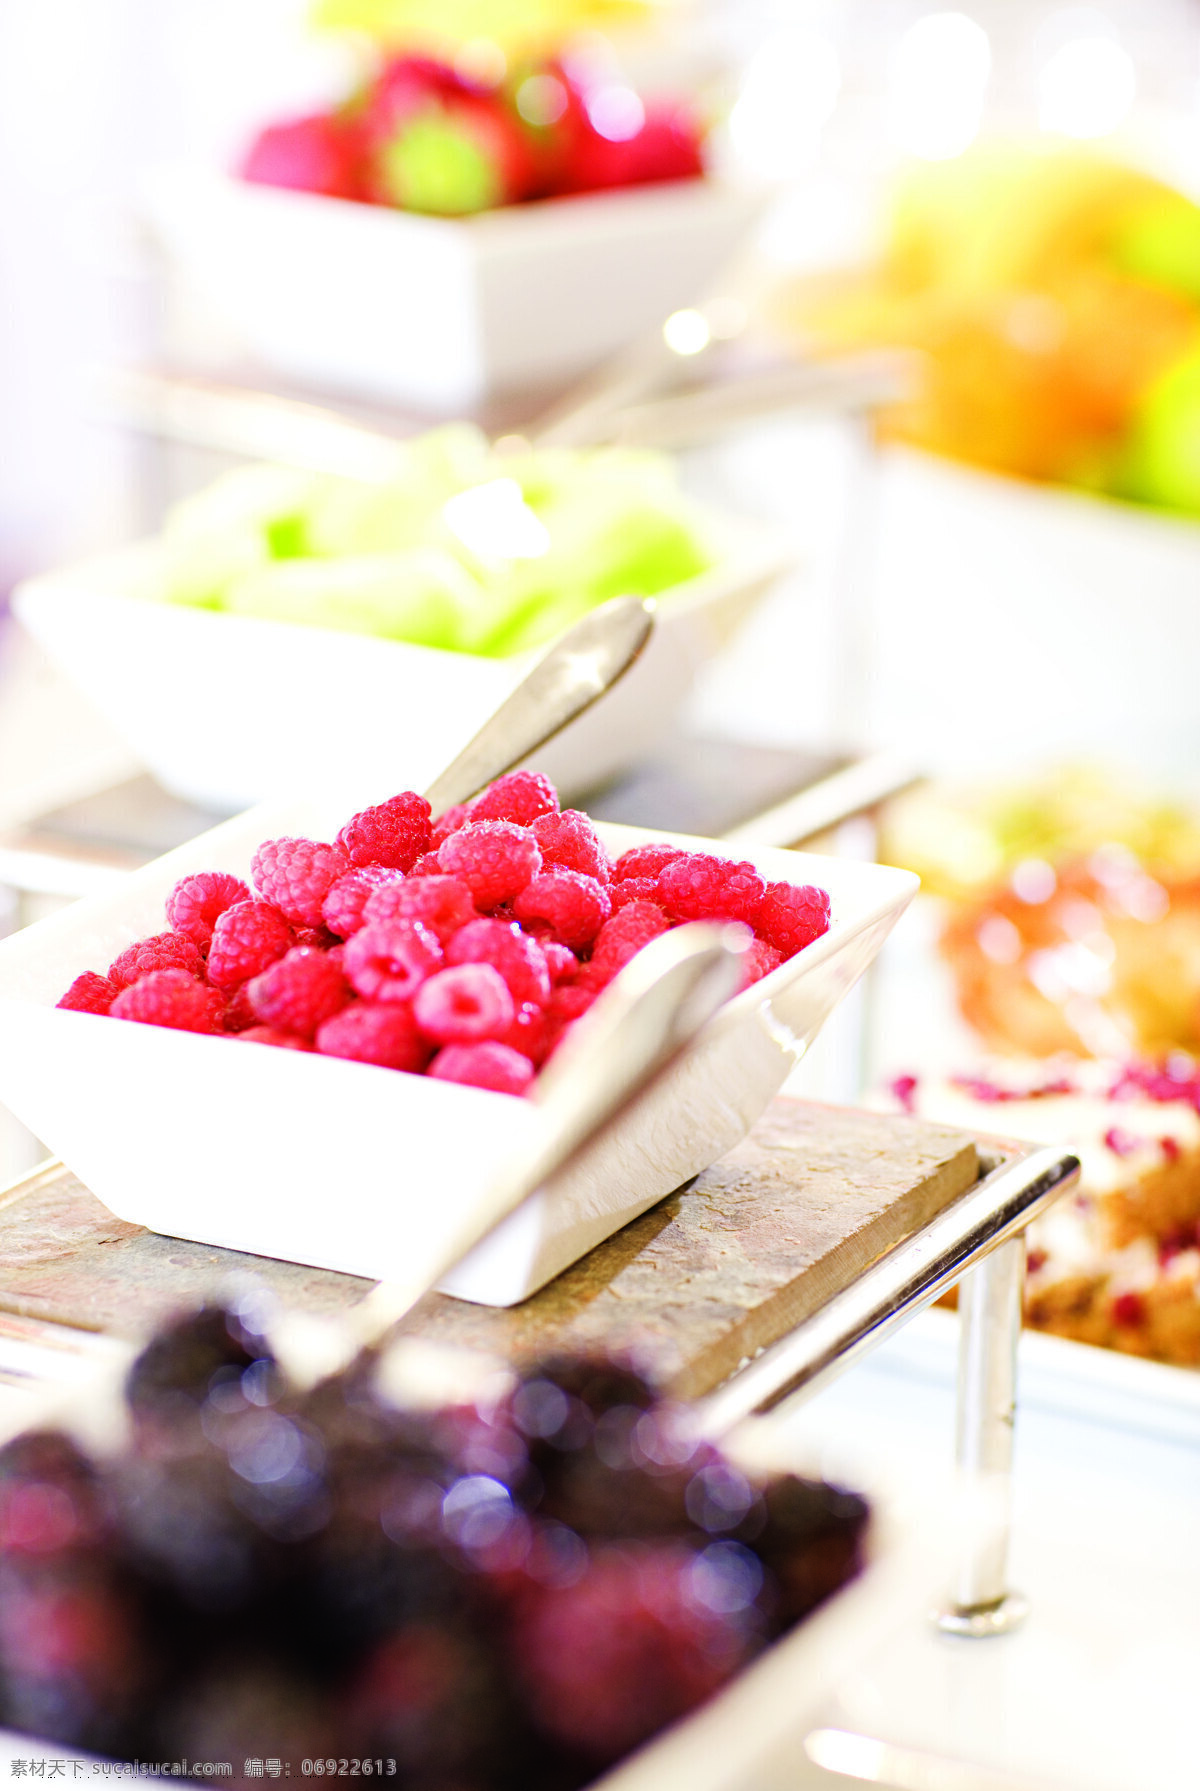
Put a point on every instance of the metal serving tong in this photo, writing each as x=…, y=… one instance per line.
x=633, y=1033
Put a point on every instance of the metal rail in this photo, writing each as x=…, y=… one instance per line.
x=978, y=1240
x=889, y=1293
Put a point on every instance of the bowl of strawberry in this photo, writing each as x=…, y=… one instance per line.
x=401, y=980
x=437, y=237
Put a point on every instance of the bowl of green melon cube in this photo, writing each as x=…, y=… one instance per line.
x=288, y=626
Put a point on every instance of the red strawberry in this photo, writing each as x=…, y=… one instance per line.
x=319, y=154
x=666, y=147
x=439, y=144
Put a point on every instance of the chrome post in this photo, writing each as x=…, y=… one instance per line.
x=990, y=1320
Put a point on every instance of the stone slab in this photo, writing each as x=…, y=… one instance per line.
x=714, y=1273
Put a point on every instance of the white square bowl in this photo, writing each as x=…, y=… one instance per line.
x=350, y=1167
x=442, y=312
x=268, y=707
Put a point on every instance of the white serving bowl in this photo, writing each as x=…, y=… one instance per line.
x=441, y=312
x=228, y=710
x=350, y=1167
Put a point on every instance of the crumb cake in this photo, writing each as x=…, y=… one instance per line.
x=1118, y=1263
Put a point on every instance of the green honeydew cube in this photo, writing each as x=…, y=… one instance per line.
x=424, y=596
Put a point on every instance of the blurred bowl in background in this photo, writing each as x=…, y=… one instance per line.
x=227, y=709
x=1012, y=623
x=442, y=312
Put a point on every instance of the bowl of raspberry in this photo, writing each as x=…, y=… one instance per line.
x=402, y=979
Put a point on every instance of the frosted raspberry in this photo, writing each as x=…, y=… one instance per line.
x=443, y=904
x=170, y=998
x=297, y=875
x=561, y=961
x=520, y=796
x=574, y=907
x=632, y=889
x=701, y=886
x=758, y=960
x=792, y=916
x=456, y=816
x=89, y=994
x=467, y=1002
x=395, y=833
x=195, y=903
x=531, y=1032
x=495, y=859
x=164, y=951
x=272, y=1035
x=487, y=1065
x=390, y=959
x=622, y=937
x=519, y=959
x=299, y=992
x=571, y=840
x=645, y=861
x=386, y=1035
x=343, y=906
x=246, y=938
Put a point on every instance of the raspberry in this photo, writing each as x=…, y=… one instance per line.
x=426, y=866
x=319, y=938
x=572, y=1000
x=297, y=875
x=561, y=961
x=195, y=903
x=246, y=939
x=758, y=960
x=519, y=959
x=520, y=796
x=792, y=916
x=644, y=861
x=570, y=840
x=343, y=906
x=701, y=886
x=467, y=1002
x=165, y=951
x=299, y=992
x=488, y=1065
x=386, y=1035
x=239, y=1015
x=622, y=937
x=495, y=859
x=390, y=959
x=89, y=994
x=395, y=833
x=442, y=904
x=530, y=1033
x=632, y=889
x=169, y=998
x=456, y=816
x=574, y=907
x=272, y=1035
